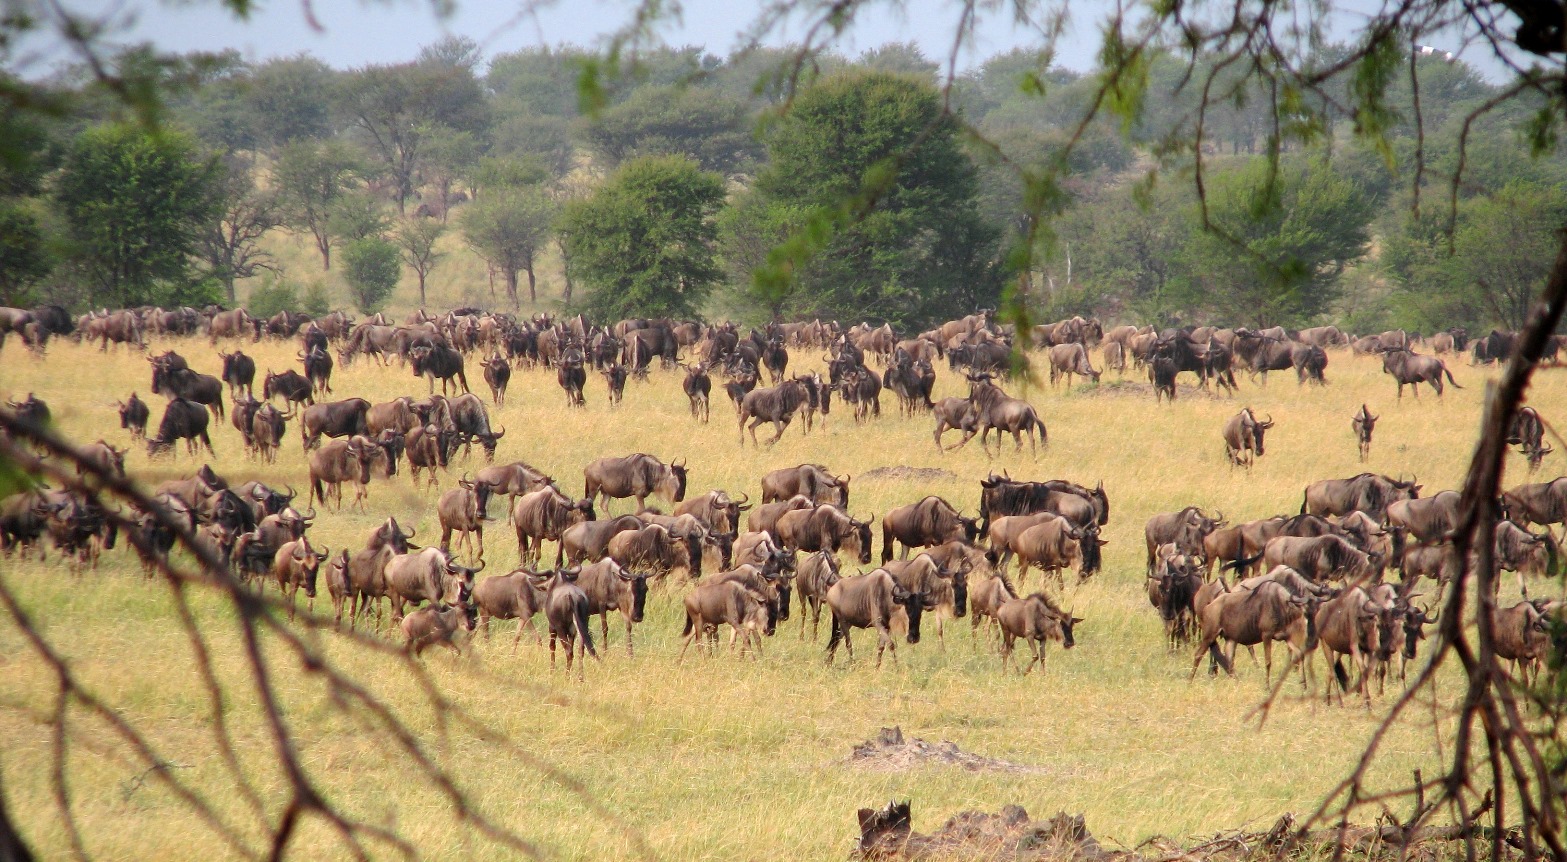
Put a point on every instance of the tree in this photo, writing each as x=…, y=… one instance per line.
x=231, y=243
x=289, y=99
x=450, y=155
x=311, y=176
x=416, y=239
x=644, y=241
x=136, y=205
x=711, y=128
x=508, y=227
x=881, y=230
x=23, y=260
x=371, y=268
x=356, y=215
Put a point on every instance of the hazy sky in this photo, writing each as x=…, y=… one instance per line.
x=387, y=31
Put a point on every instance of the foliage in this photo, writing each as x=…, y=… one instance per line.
x=317, y=300
x=231, y=244
x=508, y=226
x=881, y=229
x=416, y=239
x=714, y=130
x=311, y=176
x=24, y=261
x=644, y=240
x=357, y=215
x=271, y=296
x=136, y=205
x=371, y=268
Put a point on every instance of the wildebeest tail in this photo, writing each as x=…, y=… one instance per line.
x=1239, y=563
x=1450, y=376
x=1303, y=501
x=837, y=634
x=1218, y=657
x=690, y=624
x=584, y=631
x=1340, y=674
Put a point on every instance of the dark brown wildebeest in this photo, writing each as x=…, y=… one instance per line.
x=497, y=375
x=638, y=476
x=1243, y=438
x=544, y=515
x=1172, y=590
x=428, y=575
x=1186, y=529
x=367, y=567
x=815, y=576
x=516, y=596
x=1367, y=492
x=1364, y=424
x=239, y=372
x=775, y=404
x=945, y=589
x=335, y=463
x=318, y=370
x=572, y=377
x=446, y=625
x=764, y=518
x=1543, y=503
x=932, y=521
x=1408, y=367
x=103, y=456
x=589, y=540
x=1426, y=520
x=868, y=601
x=1522, y=635
x=698, y=387
x=1037, y=620
x=134, y=415
x=716, y=510
x=1322, y=558
x=824, y=528
x=566, y=611
x=810, y=480
x=429, y=448
x=1054, y=545
x=1162, y=371
x=994, y=409
x=432, y=361
x=1262, y=615
x=955, y=414
x=173, y=382
x=1001, y=495
x=295, y=565
x=182, y=420
x=514, y=479
x=243, y=416
x=333, y=419
x=1527, y=432
x=464, y=509
x=267, y=428
x=472, y=422
x=652, y=547
x=1310, y=362
x=291, y=386
x=609, y=586
x=729, y=603
x=615, y=383
x=1069, y=359
x=1348, y=625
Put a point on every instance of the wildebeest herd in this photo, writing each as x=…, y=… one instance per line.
x=1314, y=579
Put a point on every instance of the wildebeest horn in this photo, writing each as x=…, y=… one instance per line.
x=481, y=566
x=499, y=434
x=1268, y=423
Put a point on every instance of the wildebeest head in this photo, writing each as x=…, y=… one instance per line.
x=677, y=473
x=860, y=532
x=914, y=604
x=459, y=581
x=482, y=492
x=778, y=569
x=308, y=559
x=637, y=582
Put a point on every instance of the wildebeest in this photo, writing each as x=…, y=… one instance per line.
x=464, y=509
x=1172, y=588
x=1348, y=625
x=335, y=463
x=239, y=372
x=868, y=601
x=1069, y=359
x=367, y=567
x=815, y=575
x=441, y=625
x=615, y=383
x=1162, y=371
x=638, y=475
x=713, y=604
x=1364, y=424
x=1367, y=492
x=566, y=611
x=1521, y=635
x=1408, y=367
x=104, y=456
x=1543, y=503
x=572, y=377
x=931, y=521
x=1037, y=620
x=544, y=515
x=824, y=528
x=427, y=575
x=432, y=361
x=716, y=510
x=318, y=370
x=945, y=588
x=515, y=596
x=296, y=565
x=497, y=375
x=1185, y=529
x=812, y=481
x=653, y=547
x=994, y=409
x=589, y=540
x=776, y=404
x=134, y=415
x=698, y=386
x=1262, y=615
x=1000, y=495
x=267, y=427
x=1427, y=520
x=1527, y=432
x=1243, y=438
x=612, y=587
x=471, y=420
x=182, y=420
x=333, y=419
x=1054, y=545
x=955, y=414
x=1322, y=558
x=186, y=384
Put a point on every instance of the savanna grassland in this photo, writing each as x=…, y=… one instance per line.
x=729, y=758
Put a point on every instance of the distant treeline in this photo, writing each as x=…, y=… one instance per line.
x=732, y=187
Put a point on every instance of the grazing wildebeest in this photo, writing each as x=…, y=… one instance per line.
x=335, y=463
x=638, y=476
x=566, y=611
x=290, y=385
x=1322, y=558
x=497, y=375
x=544, y=515
x=443, y=625
x=868, y=601
x=1408, y=367
x=464, y=509
x=1323, y=336
x=1367, y=492
x=572, y=377
x=775, y=404
x=809, y=480
x=471, y=421
x=824, y=528
x=295, y=565
x=1453, y=340
x=1037, y=620
x=1243, y=438
x=267, y=427
x=239, y=372
x=182, y=420
x=318, y=370
x=1265, y=614
x=1115, y=358
x=134, y=415
x=1069, y=359
x=514, y=596
x=995, y=409
x=932, y=521
x=1364, y=424
x=1527, y=432
x=730, y=603
x=333, y=419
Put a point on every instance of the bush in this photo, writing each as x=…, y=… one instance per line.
x=371, y=268
x=271, y=297
x=317, y=300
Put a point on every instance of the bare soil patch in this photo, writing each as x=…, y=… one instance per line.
x=908, y=474
x=890, y=752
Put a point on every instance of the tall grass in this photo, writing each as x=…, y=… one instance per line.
x=726, y=758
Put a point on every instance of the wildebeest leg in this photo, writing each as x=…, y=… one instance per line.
x=1006, y=649
x=779, y=427
x=1038, y=646
x=629, y=654
x=885, y=642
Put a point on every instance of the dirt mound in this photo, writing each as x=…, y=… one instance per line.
x=977, y=835
x=890, y=752
x=909, y=474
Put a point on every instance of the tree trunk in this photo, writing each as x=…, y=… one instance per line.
x=511, y=288
x=533, y=294
x=565, y=270
x=324, y=245
x=421, y=288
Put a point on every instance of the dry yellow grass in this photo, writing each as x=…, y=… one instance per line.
x=727, y=758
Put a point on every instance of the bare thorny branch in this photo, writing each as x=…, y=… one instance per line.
x=259, y=619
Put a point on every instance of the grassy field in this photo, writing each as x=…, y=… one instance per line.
x=736, y=759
